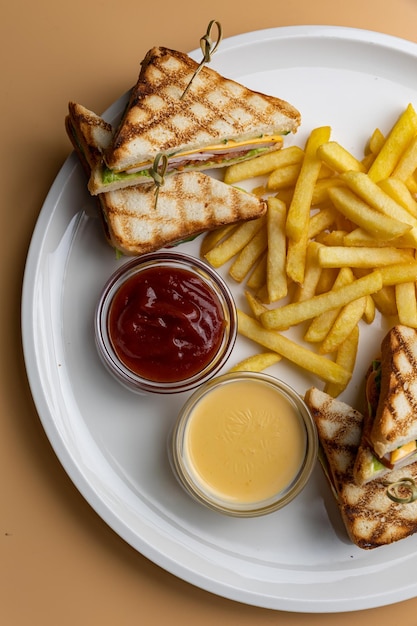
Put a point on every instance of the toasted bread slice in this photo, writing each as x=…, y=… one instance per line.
x=218, y=122
x=372, y=519
x=188, y=203
x=395, y=422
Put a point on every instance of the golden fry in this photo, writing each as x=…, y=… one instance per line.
x=360, y=213
x=361, y=238
x=296, y=258
x=376, y=141
x=369, y=313
x=407, y=163
x=290, y=314
x=346, y=321
x=375, y=196
x=306, y=359
x=249, y=255
x=299, y=210
x=385, y=301
x=346, y=357
x=276, y=276
x=343, y=256
x=257, y=362
x=405, y=297
x=255, y=305
x=399, y=273
x=227, y=248
x=399, y=191
x=320, y=221
x=398, y=139
x=321, y=189
x=283, y=177
x=338, y=158
x=213, y=237
x=263, y=164
x=312, y=274
x=258, y=275
x=320, y=326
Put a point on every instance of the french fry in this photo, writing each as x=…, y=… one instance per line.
x=332, y=238
x=255, y=305
x=361, y=238
x=376, y=141
x=376, y=197
x=233, y=244
x=263, y=164
x=213, y=237
x=296, y=258
x=320, y=221
x=405, y=297
x=343, y=256
x=312, y=274
x=398, y=273
x=258, y=274
x=257, y=362
x=320, y=326
x=398, y=139
x=285, y=195
x=249, y=255
x=346, y=357
x=315, y=363
x=346, y=321
x=385, y=301
x=411, y=183
x=276, y=276
x=299, y=209
x=295, y=312
x=321, y=189
x=399, y=191
x=407, y=163
x=283, y=177
x=338, y=158
x=369, y=313
x=358, y=211
x=327, y=279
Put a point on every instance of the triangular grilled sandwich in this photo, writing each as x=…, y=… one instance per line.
x=374, y=514
x=218, y=122
x=389, y=438
x=187, y=203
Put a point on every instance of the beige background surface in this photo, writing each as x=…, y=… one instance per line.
x=59, y=562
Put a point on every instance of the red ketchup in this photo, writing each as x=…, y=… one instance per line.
x=165, y=324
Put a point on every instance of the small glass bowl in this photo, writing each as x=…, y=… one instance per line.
x=174, y=261
x=201, y=461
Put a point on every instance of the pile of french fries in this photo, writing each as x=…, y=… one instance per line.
x=337, y=243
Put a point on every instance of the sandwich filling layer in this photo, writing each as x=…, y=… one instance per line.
x=211, y=156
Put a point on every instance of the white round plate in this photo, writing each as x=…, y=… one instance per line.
x=112, y=443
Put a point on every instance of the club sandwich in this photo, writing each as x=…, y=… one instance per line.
x=377, y=513
x=218, y=122
x=389, y=439
x=187, y=204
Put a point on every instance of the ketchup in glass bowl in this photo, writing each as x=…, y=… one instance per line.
x=165, y=323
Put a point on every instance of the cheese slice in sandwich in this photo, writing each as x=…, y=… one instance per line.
x=389, y=439
x=187, y=204
x=218, y=122
x=374, y=514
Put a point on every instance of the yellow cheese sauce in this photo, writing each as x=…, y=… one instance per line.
x=244, y=441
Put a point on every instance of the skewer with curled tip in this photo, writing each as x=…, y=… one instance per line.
x=208, y=49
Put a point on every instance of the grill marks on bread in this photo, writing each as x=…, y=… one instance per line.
x=371, y=518
x=188, y=204
x=214, y=108
x=396, y=417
